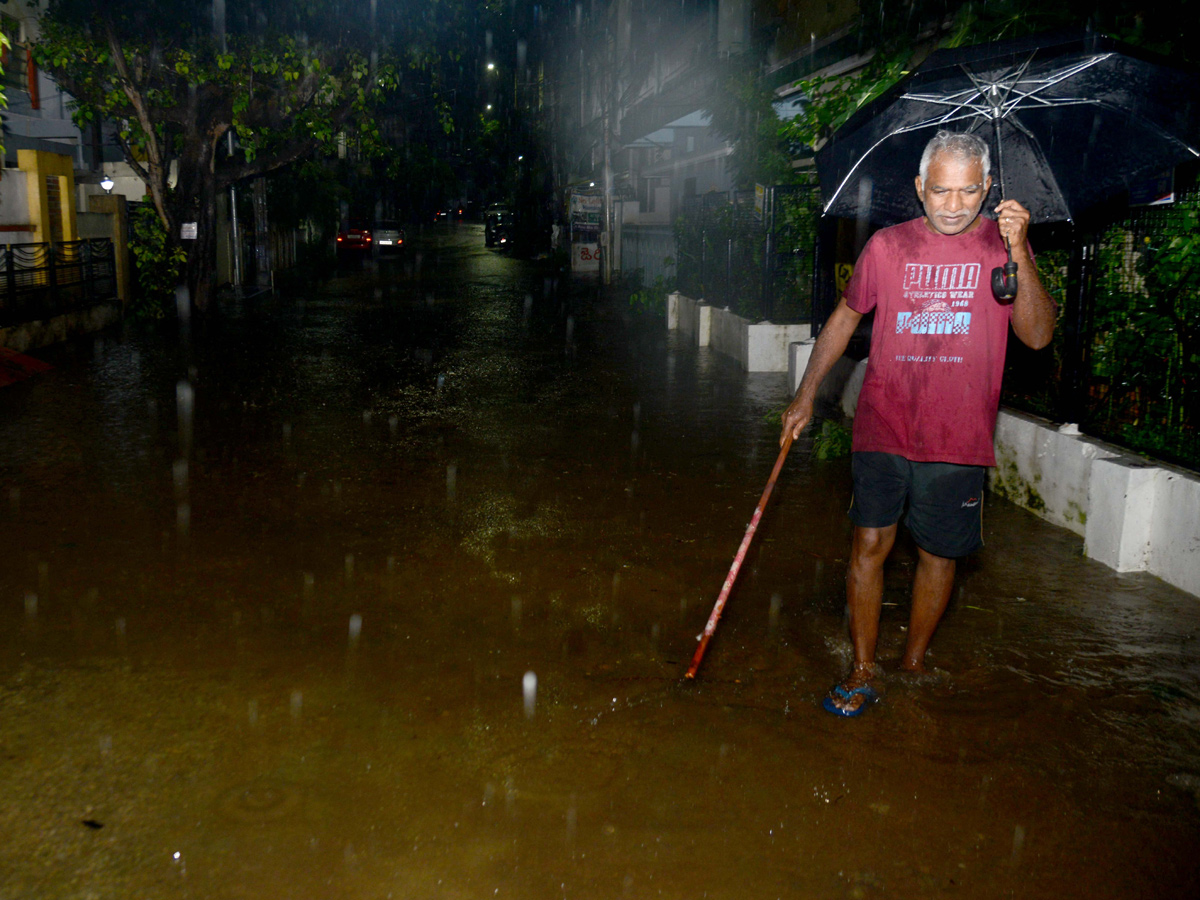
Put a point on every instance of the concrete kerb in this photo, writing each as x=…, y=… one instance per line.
x=1134, y=514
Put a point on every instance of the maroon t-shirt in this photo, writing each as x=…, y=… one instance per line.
x=937, y=344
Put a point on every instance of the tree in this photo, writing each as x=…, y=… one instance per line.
x=288, y=79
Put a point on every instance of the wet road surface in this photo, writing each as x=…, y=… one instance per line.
x=383, y=587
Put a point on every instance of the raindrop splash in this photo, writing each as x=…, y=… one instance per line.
x=185, y=402
x=866, y=190
x=179, y=472
x=529, y=691
x=183, y=521
x=1018, y=845
x=183, y=307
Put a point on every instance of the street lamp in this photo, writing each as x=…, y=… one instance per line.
x=107, y=183
x=491, y=67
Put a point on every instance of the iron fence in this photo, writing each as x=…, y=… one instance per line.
x=650, y=251
x=755, y=255
x=1125, y=362
x=38, y=281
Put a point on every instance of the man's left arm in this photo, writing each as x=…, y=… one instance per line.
x=1033, y=312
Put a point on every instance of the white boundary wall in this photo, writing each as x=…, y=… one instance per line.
x=1134, y=514
x=757, y=346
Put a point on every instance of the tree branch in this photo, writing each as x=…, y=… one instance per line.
x=157, y=180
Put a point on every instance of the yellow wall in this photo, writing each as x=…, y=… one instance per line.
x=114, y=205
x=37, y=164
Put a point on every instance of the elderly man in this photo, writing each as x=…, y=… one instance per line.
x=926, y=415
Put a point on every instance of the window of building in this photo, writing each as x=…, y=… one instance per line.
x=15, y=57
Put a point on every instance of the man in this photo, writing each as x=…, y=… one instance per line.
x=927, y=411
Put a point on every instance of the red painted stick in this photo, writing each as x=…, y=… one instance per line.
x=737, y=560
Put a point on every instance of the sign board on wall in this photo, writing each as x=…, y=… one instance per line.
x=584, y=227
x=585, y=257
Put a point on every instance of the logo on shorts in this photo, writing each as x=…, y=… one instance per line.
x=970, y=503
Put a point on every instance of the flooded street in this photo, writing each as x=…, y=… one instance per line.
x=384, y=587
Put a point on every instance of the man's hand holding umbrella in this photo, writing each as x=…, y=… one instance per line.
x=1033, y=312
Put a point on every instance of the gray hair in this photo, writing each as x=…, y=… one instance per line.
x=959, y=145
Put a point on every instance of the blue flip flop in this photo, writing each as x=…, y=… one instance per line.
x=868, y=693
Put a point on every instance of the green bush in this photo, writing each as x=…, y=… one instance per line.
x=832, y=441
x=650, y=301
x=158, y=264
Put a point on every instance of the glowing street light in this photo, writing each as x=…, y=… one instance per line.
x=107, y=184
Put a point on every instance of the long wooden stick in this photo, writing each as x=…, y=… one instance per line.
x=737, y=560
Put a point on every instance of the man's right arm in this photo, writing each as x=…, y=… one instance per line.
x=831, y=344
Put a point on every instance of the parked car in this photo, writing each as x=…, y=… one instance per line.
x=354, y=240
x=389, y=237
x=497, y=227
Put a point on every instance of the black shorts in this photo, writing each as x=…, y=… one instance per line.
x=945, y=501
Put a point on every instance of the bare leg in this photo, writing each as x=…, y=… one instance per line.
x=931, y=592
x=864, y=596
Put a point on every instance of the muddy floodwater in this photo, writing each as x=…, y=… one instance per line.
x=383, y=587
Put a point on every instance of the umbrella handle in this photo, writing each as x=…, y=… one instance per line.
x=1004, y=278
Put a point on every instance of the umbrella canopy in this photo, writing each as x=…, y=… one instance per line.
x=1072, y=119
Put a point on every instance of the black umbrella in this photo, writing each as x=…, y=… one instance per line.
x=1072, y=119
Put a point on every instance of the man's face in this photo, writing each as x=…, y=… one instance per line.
x=953, y=193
